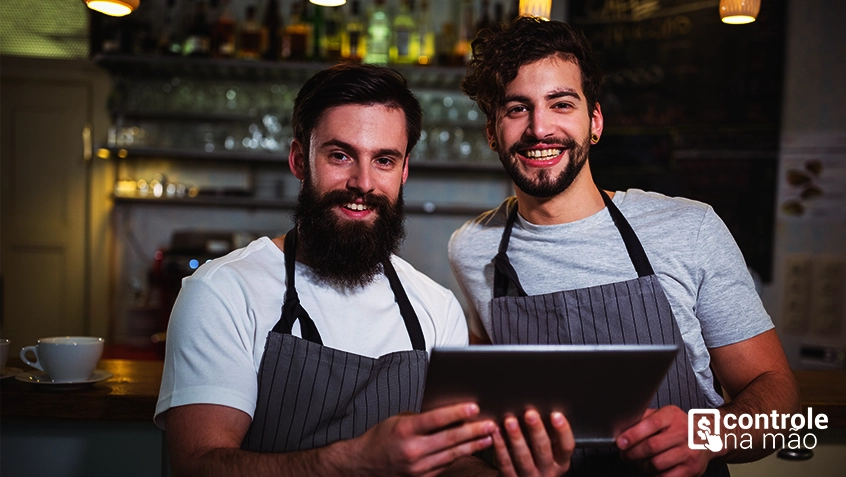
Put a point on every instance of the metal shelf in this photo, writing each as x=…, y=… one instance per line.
x=427, y=208
x=425, y=77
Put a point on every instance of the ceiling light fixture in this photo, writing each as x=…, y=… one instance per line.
x=114, y=8
x=537, y=8
x=739, y=12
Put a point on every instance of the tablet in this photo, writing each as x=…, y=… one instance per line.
x=601, y=389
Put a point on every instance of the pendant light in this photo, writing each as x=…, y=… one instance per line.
x=537, y=8
x=114, y=8
x=328, y=3
x=738, y=12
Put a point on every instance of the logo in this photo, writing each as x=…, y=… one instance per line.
x=707, y=430
x=712, y=430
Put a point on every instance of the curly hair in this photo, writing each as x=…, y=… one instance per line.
x=348, y=83
x=500, y=51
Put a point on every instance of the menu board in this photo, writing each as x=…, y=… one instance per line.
x=692, y=107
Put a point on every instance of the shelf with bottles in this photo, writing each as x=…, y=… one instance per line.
x=397, y=32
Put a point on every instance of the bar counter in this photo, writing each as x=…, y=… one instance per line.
x=129, y=395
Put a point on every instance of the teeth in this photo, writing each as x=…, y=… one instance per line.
x=542, y=153
x=357, y=207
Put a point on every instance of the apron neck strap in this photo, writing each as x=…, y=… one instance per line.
x=633, y=246
x=292, y=310
x=505, y=274
x=412, y=323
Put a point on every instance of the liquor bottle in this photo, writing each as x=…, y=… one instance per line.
x=297, y=39
x=199, y=34
x=315, y=18
x=499, y=13
x=170, y=41
x=330, y=42
x=466, y=33
x=405, y=44
x=426, y=34
x=354, y=39
x=271, y=31
x=249, y=38
x=223, y=36
x=378, y=35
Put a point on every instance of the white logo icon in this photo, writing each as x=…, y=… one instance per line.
x=707, y=430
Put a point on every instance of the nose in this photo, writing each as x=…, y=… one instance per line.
x=540, y=124
x=360, y=178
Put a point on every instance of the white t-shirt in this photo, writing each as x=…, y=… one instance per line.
x=219, y=324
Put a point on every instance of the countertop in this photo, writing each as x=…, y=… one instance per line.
x=131, y=395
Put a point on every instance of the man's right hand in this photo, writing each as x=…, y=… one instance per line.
x=540, y=454
x=420, y=444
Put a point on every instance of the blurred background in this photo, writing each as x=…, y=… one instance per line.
x=135, y=148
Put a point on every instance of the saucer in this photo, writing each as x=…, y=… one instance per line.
x=42, y=378
x=9, y=371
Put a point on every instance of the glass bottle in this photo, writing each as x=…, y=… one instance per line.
x=249, y=38
x=330, y=42
x=466, y=33
x=405, y=44
x=378, y=35
x=223, y=36
x=199, y=34
x=426, y=35
x=272, y=26
x=354, y=39
x=297, y=38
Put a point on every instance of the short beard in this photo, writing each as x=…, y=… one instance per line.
x=347, y=254
x=545, y=186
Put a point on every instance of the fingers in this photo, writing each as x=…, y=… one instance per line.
x=565, y=442
x=447, y=456
x=521, y=455
x=503, y=457
x=437, y=419
x=651, y=424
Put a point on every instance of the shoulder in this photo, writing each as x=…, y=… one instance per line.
x=261, y=253
x=648, y=209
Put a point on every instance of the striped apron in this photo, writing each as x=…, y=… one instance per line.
x=310, y=395
x=629, y=312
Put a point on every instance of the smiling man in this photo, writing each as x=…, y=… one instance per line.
x=565, y=262
x=306, y=354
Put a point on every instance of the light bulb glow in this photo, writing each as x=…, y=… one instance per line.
x=739, y=12
x=328, y=3
x=537, y=8
x=115, y=8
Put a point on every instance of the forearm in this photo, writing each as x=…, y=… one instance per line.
x=331, y=460
x=774, y=391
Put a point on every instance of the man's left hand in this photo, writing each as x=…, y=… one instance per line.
x=658, y=444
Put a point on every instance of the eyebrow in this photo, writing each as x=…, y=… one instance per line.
x=554, y=94
x=345, y=145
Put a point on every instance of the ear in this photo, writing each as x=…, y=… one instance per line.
x=490, y=130
x=296, y=160
x=596, y=121
x=405, y=168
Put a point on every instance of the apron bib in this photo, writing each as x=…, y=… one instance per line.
x=310, y=395
x=628, y=312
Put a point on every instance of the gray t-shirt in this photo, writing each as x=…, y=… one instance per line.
x=697, y=262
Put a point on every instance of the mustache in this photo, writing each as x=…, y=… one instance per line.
x=565, y=143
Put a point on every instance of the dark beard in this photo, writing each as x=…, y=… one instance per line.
x=347, y=254
x=544, y=185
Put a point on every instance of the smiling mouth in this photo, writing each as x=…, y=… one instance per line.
x=542, y=154
x=356, y=207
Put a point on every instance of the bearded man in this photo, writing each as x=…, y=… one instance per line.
x=306, y=354
x=566, y=262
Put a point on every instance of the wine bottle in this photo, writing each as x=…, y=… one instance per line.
x=297, y=39
x=354, y=39
x=378, y=35
x=405, y=43
x=425, y=34
x=249, y=38
x=271, y=27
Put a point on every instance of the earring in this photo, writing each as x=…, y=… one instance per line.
x=493, y=145
x=594, y=138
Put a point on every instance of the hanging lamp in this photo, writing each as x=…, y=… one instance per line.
x=739, y=12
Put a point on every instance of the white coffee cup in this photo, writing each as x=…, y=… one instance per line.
x=66, y=359
x=4, y=352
